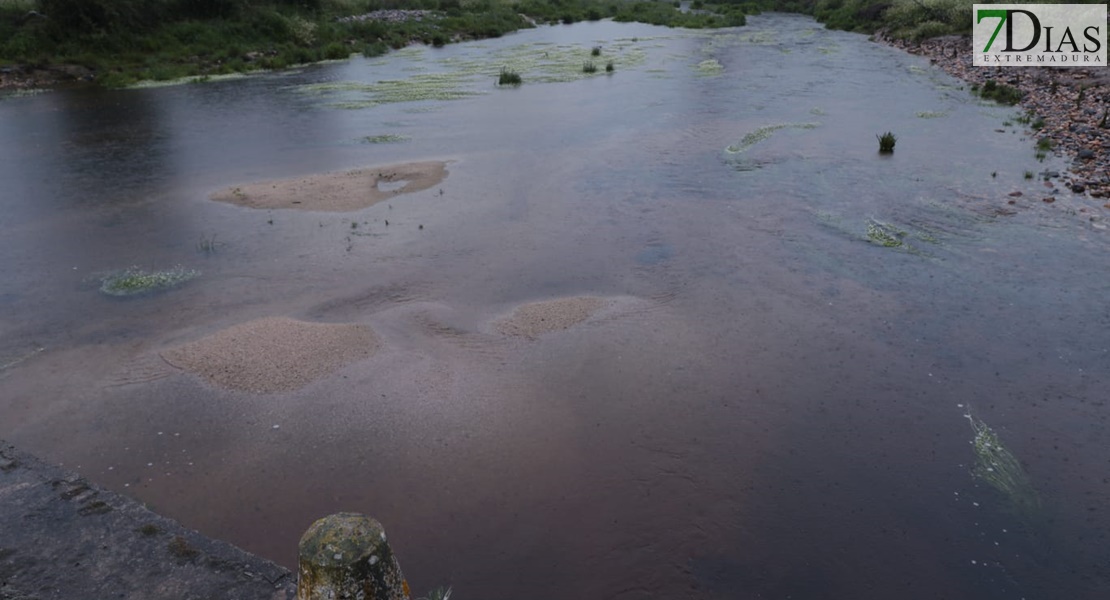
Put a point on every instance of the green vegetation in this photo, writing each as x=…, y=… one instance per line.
x=589, y=67
x=999, y=92
x=126, y=41
x=1028, y=174
x=134, y=280
x=609, y=68
x=913, y=20
x=1000, y=469
x=595, y=51
x=387, y=138
x=886, y=142
x=508, y=77
x=884, y=234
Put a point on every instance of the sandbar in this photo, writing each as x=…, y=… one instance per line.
x=274, y=354
x=537, y=318
x=337, y=192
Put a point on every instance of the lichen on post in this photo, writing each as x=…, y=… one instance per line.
x=346, y=556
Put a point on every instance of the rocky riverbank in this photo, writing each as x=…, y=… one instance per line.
x=1073, y=102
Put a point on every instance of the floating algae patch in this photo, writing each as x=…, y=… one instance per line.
x=999, y=468
x=422, y=86
x=388, y=138
x=23, y=93
x=710, y=67
x=752, y=138
x=160, y=83
x=134, y=280
x=931, y=114
x=884, y=234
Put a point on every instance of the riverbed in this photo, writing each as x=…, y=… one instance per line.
x=768, y=399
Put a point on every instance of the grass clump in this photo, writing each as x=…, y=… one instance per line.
x=1028, y=174
x=589, y=67
x=596, y=51
x=609, y=68
x=999, y=92
x=134, y=280
x=999, y=468
x=509, y=77
x=886, y=142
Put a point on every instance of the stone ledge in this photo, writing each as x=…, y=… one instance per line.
x=64, y=537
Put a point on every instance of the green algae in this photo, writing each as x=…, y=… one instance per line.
x=884, y=234
x=754, y=137
x=388, y=138
x=134, y=280
x=999, y=468
x=710, y=67
x=461, y=77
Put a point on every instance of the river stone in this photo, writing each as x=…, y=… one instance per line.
x=346, y=555
x=1086, y=154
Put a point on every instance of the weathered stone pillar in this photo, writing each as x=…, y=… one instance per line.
x=345, y=556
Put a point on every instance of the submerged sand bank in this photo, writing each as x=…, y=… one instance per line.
x=275, y=354
x=337, y=192
x=537, y=318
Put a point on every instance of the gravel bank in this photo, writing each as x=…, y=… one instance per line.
x=1074, y=103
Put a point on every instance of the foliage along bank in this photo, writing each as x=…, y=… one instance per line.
x=124, y=41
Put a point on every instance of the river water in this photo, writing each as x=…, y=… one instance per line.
x=779, y=413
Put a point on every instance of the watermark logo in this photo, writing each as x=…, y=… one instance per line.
x=1039, y=35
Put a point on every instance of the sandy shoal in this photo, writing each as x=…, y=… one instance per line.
x=274, y=354
x=337, y=192
x=537, y=318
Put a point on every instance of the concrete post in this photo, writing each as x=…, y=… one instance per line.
x=345, y=556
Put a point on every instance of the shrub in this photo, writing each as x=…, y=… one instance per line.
x=886, y=142
x=509, y=77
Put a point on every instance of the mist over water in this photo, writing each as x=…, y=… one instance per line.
x=774, y=408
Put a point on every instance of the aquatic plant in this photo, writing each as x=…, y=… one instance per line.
x=710, y=67
x=999, y=468
x=387, y=138
x=754, y=137
x=208, y=244
x=134, y=280
x=1028, y=174
x=886, y=142
x=509, y=77
x=589, y=67
x=999, y=92
x=884, y=234
x=609, y=68
x=931, y=114
x=595, y=51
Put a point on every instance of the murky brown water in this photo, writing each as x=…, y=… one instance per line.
x=775, y=412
